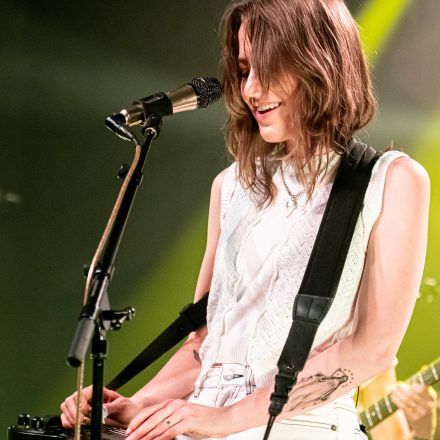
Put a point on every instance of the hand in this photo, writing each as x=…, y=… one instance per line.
x=418, y=403
x=174, y=417
x=120, y=409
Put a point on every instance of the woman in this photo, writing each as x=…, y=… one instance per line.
x=296, y=88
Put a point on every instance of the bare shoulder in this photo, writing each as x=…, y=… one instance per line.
x=218, y=179
x=406, y=200
x=215, y=206
x=206, y=270
x=216, y=188
x=405, y=175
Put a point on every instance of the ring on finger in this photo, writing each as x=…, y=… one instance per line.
x=168, y=422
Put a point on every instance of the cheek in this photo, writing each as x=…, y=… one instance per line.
x=285, y=123
x=243, y=95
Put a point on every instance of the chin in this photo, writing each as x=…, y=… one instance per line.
x=271, y=136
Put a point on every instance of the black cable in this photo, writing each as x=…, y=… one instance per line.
x=116, y=124
x=269, y=427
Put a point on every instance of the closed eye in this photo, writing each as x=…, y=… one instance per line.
x=243, y=67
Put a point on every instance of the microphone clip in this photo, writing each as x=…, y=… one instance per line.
x=153, y=124
x=116, y=124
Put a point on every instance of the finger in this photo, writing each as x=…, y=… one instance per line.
x=156, y=424
x=166, y=429
x=110, y=395
x=171, y=425
x=87, y=395
x=177, y=423
x=402, y=386
x=424, y=395
x=181, y=427
x=408, y=406
x=420, y=401
x=412, y=412
x=112, y=408
x=117, y=405
x=65, y=422
x=158, y=431
x=402, y=391
x=148, y=429
x=87, y=392
x=67, y=416
x=419, y=397
x=172, y=432
x=419, y=390
x=398, y=395
x=85, y=401
x=71, y=407
x=401, y=402
x=70, y=402
x=143, y=416
x=424, y=407
x=123, y=410
x=397, y=398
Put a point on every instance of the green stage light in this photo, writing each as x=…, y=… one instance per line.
x=377, y=20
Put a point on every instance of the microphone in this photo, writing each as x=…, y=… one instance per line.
x=199, y=93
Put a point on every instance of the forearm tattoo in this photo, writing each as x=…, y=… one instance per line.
x=318, y=388
x=197, y=356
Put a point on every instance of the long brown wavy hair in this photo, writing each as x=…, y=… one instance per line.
x=317, y=43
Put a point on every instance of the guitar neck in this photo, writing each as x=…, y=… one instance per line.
x=383, y=408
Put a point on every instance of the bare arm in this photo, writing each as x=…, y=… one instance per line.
x=176, y=378
x=387, y=293
x=386, y=297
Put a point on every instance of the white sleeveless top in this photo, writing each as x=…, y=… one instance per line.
x=260, y=261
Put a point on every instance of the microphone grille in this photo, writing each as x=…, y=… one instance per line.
x=208, y=90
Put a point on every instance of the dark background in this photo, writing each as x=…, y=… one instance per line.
x=64, y=67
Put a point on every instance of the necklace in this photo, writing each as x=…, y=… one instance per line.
x=293, y=202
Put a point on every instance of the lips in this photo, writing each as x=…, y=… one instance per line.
x=267, y=107
x=262, y=112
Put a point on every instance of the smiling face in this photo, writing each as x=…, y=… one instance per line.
x=293, y=73
x=270, y=109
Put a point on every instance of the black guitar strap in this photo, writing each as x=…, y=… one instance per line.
x=192, y=317
x=317, y=289
x=324, y=268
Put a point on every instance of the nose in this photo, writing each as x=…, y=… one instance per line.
x=252, y=86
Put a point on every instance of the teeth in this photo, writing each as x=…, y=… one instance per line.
x=263, y=108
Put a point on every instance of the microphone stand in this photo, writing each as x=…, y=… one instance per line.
x=93, y=320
